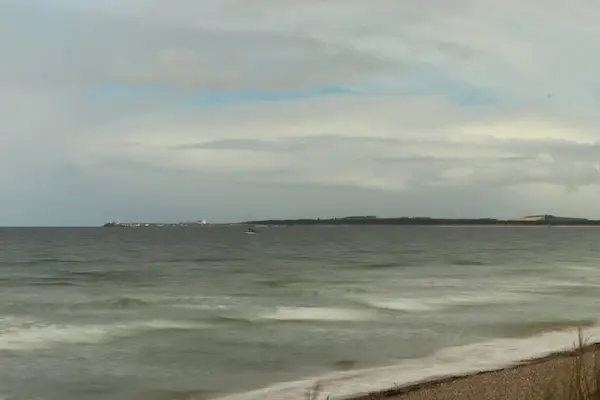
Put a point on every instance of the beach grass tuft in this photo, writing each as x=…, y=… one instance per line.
x=585, y=375
x=314, y=391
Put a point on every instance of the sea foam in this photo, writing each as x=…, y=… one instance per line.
x=450, y=361
x=23, y=335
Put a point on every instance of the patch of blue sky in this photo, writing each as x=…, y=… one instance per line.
x=419, y=81
x=214, y=98
x=184, y=97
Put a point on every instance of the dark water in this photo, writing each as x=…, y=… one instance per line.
x=198, y=313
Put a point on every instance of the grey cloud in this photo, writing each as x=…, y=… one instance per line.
x=514, y=149
x=458, y=50
x=68, y=154
x=562, y=148
x=415, y=163
x=208, y=46
x=238, y=144
x=227, y=60
x=67, y=50
x=433, y=159
x=217, y=196
x=516, y=158
x=288, y=143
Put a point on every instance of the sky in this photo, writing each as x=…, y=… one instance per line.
x=228, y=110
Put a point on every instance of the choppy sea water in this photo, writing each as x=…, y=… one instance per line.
x=204, y=313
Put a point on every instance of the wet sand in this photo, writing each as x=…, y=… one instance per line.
x=547, y=378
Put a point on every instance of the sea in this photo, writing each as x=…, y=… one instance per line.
x=211, y=313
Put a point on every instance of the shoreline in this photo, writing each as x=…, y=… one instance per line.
x=476, y=371
x=535, y=378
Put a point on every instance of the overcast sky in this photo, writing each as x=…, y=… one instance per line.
x=235, y=109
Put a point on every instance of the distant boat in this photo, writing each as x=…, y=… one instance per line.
x=250, y=231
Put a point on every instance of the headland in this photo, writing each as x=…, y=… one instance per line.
x=532, y=220
x=544, y=220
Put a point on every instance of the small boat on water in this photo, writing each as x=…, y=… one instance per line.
x=250, y=231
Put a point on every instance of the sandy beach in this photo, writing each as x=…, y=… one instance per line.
x=547, y=378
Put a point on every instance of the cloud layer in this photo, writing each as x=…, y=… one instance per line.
x=226, y=110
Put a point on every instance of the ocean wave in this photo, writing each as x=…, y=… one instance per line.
x=408, y=304
x=45, y=261
x=29, y=280
x=74, y=277
x=125, y=303
x=567, y=287
x=467, y=263
x=57, y=282
x=201, y=260
x=24, y=335
x=528, y=328
x=105, y=275
x=459, y=360
x=201, y=307
x=316, y=314
x=109, y=304
x=276, y=283
x=403, y=304
x=386, y=265
x=120, y=302
x=300, y=314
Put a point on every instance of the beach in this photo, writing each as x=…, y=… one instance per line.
x=551, y=377
x=546, y=376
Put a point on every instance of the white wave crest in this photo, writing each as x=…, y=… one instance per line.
x=21, y=335
x=316, y=314
x=408, y=304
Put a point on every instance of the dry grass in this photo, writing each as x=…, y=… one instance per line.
x=585, y=381
x=313, y=393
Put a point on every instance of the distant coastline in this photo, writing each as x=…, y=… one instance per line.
x=115, y=224
x=532, y=220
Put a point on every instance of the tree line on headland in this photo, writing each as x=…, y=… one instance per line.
x=542, y=220
x=535, y=220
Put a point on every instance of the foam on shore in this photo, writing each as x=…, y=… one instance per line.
x=453, y=361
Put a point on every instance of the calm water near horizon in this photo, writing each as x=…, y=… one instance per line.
x=205, y=313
